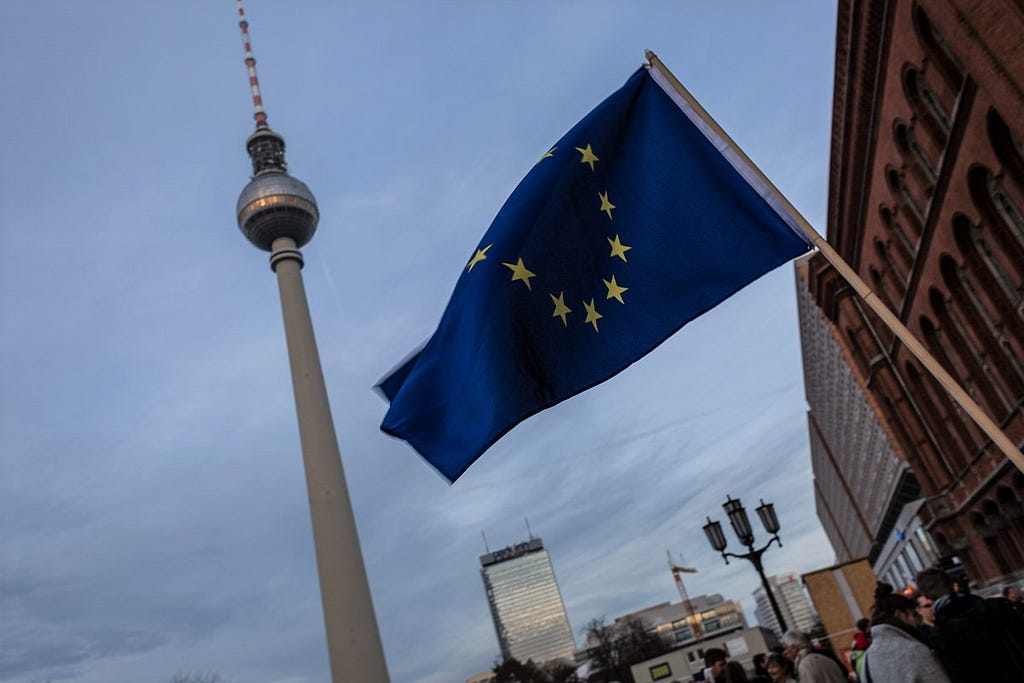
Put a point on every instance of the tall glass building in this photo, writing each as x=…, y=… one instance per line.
x=526, y=605
x=793, y=603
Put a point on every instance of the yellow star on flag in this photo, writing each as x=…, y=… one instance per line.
x=606, y=205
x=588, y=156
x=614, y=290
x=549, y=153
x=592, y=315
x=561, y=310
x=618, y=248
x=519, y=272
x=480, y=255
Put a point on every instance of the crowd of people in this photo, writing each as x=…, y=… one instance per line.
x=940, y=634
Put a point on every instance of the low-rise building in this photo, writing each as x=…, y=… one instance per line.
x=683, y=663
x=707, y=616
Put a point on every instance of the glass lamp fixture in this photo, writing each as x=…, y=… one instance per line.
x=740, y=521
x=767, y=514
x=715, y=535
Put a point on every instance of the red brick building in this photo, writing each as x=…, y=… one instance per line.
x=926, y=202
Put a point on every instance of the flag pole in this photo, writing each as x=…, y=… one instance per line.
x=955, y=391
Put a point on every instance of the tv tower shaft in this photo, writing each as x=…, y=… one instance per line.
x=278, y=213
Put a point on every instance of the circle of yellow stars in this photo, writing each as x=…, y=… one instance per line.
x=523, y=274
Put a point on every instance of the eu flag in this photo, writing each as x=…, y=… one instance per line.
x=630, y=226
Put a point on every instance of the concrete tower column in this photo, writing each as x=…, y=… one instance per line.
x=278, y=213
x=353, y=638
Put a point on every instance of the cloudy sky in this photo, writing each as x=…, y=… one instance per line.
x=153, y=514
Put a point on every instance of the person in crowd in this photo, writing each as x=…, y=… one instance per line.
x=861, y=641
x=760, y=672
x=975, y=639
x=735, y=673
x=898, y=653
x=1012, y=595
x=780, y=669
x=925, y=614
x=811, y=666
x=714, y=662
x=862, y=638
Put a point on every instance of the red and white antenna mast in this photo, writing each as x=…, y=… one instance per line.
x=250, y=64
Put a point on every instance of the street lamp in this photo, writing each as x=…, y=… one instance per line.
x=741, y=525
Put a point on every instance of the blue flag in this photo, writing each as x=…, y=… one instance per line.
x=632, y=225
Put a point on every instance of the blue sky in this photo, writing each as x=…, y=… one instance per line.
x=153, y=514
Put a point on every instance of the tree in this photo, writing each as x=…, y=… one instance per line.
x=614, y=648
x=513, y=671
x=562, y=673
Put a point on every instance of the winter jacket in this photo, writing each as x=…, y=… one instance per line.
x=813, y=667
x=896, y=656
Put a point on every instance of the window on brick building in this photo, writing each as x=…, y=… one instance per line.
x=938, y=50
x=1002, y=368
x=926, y=106
x=914, y=156
x=902, y=243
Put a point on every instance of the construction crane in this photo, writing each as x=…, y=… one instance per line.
x=677, y=571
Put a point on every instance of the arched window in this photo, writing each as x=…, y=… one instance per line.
x=926, y=105
x=899, y=278
x=993, y=517
x=1009, y=150
x=985, y=286
x=938, y=50
x=1009, y=508
x=952, y=438
x=1006, y=497
x=1000, y=244
x=1010, y=214
x=882, y=289
x=1004, y=206
x=1003, y=378
x=966, y=362
x=989, y=535
x=901, y=242
x=991, y=275
x=914, y=156
x=905, y=199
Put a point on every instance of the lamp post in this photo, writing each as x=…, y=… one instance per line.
x=741, y=525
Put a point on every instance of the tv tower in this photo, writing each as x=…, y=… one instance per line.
x=278, y=214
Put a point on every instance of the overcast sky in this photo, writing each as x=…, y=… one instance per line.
x=153, y=513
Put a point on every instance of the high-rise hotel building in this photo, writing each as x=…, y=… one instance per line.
x=793, y=603
x=526, y=605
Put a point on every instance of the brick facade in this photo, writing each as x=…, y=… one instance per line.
x=926, y=202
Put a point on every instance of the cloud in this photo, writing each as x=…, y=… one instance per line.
x=153, y=506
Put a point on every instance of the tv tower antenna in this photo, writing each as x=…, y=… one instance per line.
x=250, y=64
x=278, y=214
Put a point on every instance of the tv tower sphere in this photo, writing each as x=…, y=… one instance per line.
x=274, y=204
